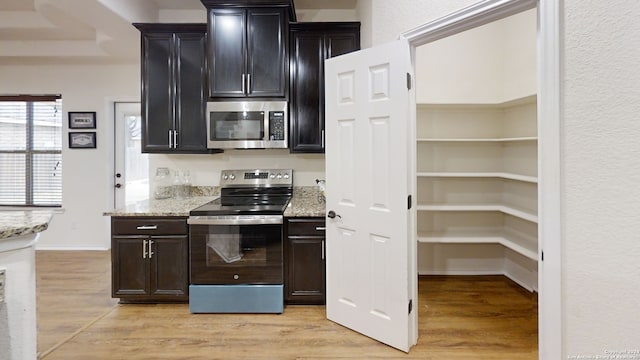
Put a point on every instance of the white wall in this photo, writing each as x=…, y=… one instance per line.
x=601, y=173
x=87, y=173
x=205, y=169
x=503, y=66
x=384, y=20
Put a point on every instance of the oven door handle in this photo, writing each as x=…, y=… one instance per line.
x=235, y=220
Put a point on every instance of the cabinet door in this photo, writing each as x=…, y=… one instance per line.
x=157, y=92
x=305, y=262
x=341, y=43
x=311, y=44
x=267, y=65
x=227, y=52
x=129, y=266
x=306, y=113
x=191, y=98
x=169, y=269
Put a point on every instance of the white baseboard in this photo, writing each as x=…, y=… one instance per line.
x=71, y=248
x=460, y=272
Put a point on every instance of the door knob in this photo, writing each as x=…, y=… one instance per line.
x=332, y=214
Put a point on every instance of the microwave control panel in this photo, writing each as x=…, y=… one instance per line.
x=276, y=125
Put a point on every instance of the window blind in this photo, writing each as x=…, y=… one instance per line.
x=31, y=150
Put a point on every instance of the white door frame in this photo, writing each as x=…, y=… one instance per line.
x=550, y=329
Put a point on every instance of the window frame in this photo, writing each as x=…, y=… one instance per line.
x=29, y=151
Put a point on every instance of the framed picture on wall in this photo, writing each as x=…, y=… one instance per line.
x=82, y=140
x=82, y=120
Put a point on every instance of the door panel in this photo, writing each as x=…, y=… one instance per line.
x=227, y=52
x=130, y=268
x=191, y=96
x=158, y=95
x=369, y=242
x=169, y=266
x=267, y=43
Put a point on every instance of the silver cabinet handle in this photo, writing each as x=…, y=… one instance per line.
x=147, y=227
x=323, y=139
x=150, y=242
x=248, y=84
x=322, y=249
x=175, y=139
x=243, y=85
x=320, y=228
x=144, y=249
x=170, y=138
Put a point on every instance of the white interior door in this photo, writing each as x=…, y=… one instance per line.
x=370, y=272
x=131, y=173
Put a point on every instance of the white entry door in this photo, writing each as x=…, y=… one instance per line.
x=370, y=271
x=131, y=167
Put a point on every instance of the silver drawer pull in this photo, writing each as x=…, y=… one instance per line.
x=147, y=227
x=321, y=228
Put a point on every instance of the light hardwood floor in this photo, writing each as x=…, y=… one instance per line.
x=480, y=317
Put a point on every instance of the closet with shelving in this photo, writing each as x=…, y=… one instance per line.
x=477, y=153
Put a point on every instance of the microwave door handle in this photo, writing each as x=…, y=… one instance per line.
x=243, y=85
x=248, y=84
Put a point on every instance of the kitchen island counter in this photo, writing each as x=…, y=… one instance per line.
x=23, y=222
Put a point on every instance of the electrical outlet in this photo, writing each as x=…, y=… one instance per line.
x=2, y=284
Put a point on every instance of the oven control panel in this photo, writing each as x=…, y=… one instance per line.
x=259, y=177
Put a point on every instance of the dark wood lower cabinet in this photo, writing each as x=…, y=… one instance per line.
x=304, y=261
x=149, y=259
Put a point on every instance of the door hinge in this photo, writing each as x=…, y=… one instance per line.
x=409, y=202
x=408, y=81
x=410, y=306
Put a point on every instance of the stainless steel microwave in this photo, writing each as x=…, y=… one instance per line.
x=247, y=125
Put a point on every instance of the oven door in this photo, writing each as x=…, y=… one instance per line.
x=234, y=250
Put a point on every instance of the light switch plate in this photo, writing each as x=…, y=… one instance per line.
x=2, y=284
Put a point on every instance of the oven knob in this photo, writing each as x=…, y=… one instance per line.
x=232, y=177
x=286, y=176
x=279, y=176
x=236, y=277
x=225, y=176
x=273, y=176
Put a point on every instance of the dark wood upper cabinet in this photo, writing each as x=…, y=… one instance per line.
x=311, y=44
x=174, y=92
x=248, y=52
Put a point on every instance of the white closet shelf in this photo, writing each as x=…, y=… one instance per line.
x=526, y=99
x=508, y=139
x=524, y=245
x=506, y=209
x=502, y=175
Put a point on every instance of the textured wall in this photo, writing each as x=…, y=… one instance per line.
x=392, y=18
x=601, y=130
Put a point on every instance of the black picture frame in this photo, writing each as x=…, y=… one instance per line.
x=82, y=120
x=82, y=140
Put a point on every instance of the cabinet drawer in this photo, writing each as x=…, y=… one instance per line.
x=306, y=227
x=149, y=226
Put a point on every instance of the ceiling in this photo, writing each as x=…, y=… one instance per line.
x=38, y=32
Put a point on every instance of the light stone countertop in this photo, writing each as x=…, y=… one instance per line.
x=304, y=203
x=164, y=207
x=23, y=222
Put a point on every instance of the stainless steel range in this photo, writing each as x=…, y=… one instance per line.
x=236, y=244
